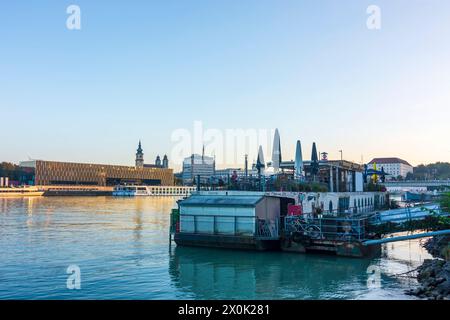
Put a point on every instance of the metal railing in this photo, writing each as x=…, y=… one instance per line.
x=345, y=212
x=327, y=228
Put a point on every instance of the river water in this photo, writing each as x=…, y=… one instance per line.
x=120, y=246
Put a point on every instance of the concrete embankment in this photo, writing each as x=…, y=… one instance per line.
x=77, y=193
x=434, y=274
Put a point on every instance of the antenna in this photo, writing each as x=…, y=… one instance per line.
x=246, y=165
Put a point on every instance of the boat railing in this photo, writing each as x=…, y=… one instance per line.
x=348, y=211
x=327, y=228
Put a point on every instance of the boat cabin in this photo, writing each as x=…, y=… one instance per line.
x=230, y=214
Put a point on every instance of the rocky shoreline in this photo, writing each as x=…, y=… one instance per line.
x=434, y=274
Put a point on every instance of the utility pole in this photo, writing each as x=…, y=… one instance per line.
x=246, y=167
x=341, y=155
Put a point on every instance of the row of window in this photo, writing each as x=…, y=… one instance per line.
x=344, y=203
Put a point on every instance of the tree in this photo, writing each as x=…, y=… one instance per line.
x=410, y=176
x=437, y=171
x=10, y=170
x=445, y=202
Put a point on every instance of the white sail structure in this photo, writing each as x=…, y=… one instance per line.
x=276, y=152
x=298, y=165
x=260, y=161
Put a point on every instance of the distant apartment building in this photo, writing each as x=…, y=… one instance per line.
x=198, y=165
x=393, y=166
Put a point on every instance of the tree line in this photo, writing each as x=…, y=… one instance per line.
x=15, y=172
x=433, y=171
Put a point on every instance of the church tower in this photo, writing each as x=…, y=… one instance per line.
x=158, y=161
x=139, y=156
x=165, y=162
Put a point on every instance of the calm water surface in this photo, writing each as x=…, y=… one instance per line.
x=121, y=247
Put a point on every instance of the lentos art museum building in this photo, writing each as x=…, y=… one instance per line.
x=46, y=173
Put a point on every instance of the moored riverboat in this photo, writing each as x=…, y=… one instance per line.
x=21, y=192
x=294, y=222
x=142, y=190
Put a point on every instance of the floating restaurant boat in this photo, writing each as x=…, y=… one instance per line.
x=21, y=192
x=134, y=191
x=289, y=221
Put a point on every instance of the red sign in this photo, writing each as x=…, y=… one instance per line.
x=294, y=210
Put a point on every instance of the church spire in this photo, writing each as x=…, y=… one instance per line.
x=139, y=156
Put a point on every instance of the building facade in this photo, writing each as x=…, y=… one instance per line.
x=158, y=164
x=198, y=165
x=393, y=166
x=225, y=174
x=67, y=173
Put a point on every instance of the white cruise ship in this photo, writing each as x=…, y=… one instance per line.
x=20, y=192
x=132, y=191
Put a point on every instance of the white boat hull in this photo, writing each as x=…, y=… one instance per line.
x=146, y=191
x=8, y=193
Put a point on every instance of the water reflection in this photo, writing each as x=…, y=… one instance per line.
x=138, y=221
x=271, y=275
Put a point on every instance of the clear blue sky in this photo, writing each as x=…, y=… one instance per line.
x=141, y=69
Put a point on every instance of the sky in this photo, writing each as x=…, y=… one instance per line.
x=151, y=70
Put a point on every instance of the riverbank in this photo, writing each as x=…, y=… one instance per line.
x=434, y=274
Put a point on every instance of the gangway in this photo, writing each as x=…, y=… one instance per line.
x=408, y=237
x=406, y=214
